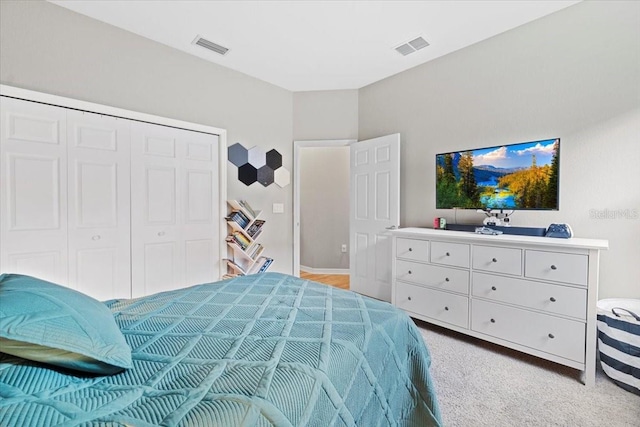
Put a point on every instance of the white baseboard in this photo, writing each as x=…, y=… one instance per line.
x=344, y=271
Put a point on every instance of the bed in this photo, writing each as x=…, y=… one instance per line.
x=260, y=350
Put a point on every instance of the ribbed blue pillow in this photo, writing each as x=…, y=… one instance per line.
x=52, y=324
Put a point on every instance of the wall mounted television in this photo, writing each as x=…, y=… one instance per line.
x=510, y=177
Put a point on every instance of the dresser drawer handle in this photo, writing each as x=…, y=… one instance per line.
x=552, y=299
x=446, y=309
x=446, y=279
x=410, y=249
x=552, y=336
x=493, y=288
x=448, y=254
x=494, y=260
x=553, y=267
x=409, y=298
x=409, y=271
x=493, y=320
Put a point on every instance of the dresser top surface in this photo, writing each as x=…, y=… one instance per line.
x=466, y=236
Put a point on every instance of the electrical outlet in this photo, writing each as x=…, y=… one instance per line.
x=344, y=248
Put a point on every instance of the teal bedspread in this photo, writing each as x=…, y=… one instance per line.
x=262, y=350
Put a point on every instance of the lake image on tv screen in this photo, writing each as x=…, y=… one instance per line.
x=516, y=176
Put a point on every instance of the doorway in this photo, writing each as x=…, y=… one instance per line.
x=321, y=248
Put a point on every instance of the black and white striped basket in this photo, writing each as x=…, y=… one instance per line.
x=619, y=341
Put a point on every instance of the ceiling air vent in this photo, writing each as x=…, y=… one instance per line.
x=201, y=41
x=411, y=46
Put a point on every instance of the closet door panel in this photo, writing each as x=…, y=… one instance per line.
x=155, y=192
x=200, y=206
x=33, y=194
x=99, y=205
x=175, y=225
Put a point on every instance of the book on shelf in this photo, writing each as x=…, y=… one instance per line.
x=261, y=265
x=247, y=207
x=265, y=265
x=239, y=218
x=255, y=228
x=239, y=239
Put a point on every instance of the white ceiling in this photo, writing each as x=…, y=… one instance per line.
x=316, y=45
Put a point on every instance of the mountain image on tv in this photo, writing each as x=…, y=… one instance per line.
x=515, y=176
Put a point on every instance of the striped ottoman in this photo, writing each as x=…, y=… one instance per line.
x=619, y=341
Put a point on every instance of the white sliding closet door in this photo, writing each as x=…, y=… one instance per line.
x=33, y=194
x=99, y=197
x=174, y=208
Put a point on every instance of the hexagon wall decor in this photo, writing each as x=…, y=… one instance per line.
x=282, y=177
x=256, y=165
x=247, y=174
x=265, y=176
x=238, y=155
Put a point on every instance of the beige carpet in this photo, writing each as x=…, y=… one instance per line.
x=482, y=384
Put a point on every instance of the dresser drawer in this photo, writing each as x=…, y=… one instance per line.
x=550, y=334
x=454, y=254
x=438, y=305
x=547, y=297
x=412, y=249
x=498, y=260
x=559, y=267
x=435, y=276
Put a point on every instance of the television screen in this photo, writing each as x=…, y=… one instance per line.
x=514, y=176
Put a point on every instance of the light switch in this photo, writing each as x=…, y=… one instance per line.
x=278, y=208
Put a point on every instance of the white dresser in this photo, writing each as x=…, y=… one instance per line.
x=534, y=294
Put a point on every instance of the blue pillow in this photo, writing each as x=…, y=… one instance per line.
x=52, y=324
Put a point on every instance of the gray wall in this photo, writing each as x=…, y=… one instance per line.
x=574, y=75
x=324, y=207
x=47, y=48
x=324, y=196
x=330, y=114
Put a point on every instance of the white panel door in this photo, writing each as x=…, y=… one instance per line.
x=174, y=222
x=201, y=217
x=374, y=210
x=33, y=194
x=99, y=197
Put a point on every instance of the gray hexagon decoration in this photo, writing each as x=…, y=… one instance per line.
x=265, y=176
x=254, y=165
x=274, y=159
x=238, y=155
x=257, y=157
